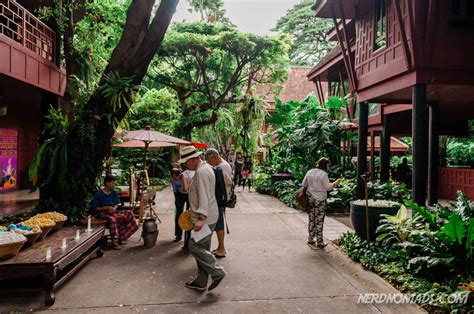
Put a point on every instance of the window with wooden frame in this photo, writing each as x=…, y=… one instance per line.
x=380, y=27
x=462, y=14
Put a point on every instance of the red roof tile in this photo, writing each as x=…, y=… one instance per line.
x=297, y=87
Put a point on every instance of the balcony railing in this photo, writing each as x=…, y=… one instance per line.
x=23, y=27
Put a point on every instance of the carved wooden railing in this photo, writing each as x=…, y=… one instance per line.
x=23, y=27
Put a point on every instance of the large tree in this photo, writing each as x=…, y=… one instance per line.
x=211, y=11
x=211, y=66
x=69, y=161
x=309, y=33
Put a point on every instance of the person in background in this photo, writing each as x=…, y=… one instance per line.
x=187, y=179
x=178, y=182
x=316, y=184
x=247, y=172
x=403, y=172
x=121, y=223
x=238, y=165
x=204, y=210
x=213, y=158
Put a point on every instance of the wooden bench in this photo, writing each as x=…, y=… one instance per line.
x=30, y=269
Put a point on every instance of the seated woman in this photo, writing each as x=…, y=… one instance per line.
x=121, y=223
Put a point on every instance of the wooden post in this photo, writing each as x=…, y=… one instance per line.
x=433, y=153
x=372, y=155
x=420, y=144
x=362, y=148
x=385, y=149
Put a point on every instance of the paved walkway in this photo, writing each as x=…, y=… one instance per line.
x=270, y=269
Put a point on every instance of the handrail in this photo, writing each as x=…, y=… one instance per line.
x=22, y=26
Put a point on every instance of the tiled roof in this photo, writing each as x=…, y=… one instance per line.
x=297, y=87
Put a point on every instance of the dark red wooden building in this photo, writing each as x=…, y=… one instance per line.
x=409, y=62
x=30, y=82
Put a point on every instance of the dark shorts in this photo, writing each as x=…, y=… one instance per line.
x=220, y=220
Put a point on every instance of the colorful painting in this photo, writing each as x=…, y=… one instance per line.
x=8, y=158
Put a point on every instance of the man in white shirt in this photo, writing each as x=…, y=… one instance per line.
x=213, y=157
x=203, y=203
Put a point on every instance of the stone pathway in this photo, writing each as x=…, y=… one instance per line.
x=270, y=269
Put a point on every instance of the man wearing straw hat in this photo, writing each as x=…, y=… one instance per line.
x=203, y=203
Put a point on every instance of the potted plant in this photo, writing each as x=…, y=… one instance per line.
x=375, y=209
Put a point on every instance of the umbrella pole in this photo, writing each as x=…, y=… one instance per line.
x=142, y=190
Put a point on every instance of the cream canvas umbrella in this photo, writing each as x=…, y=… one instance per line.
x=149, y=136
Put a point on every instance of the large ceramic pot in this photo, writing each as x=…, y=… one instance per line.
x=358, y=214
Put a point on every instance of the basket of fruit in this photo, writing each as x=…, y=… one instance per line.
x=10, y=243
x=58, y=218
x=44, y=224
x=31, y=233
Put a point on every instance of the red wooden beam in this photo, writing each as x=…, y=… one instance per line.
x=344, y=54
x=317, y=90
x=406, y=48
x=411, y=19
x=320, y=87
x=346, y=38
x=429, y=30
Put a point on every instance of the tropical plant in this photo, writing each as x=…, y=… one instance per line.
x=390, y=190
x=460, y=152
x=445, y=246
x=305, y=132
x=398, y=228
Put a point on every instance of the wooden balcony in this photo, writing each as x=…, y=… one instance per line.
x=28, y=49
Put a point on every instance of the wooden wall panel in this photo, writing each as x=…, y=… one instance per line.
x=367, y=61
x=22, y=64
x=456, y=179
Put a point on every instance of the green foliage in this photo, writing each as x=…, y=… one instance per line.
x=390, y=190
x=343, y=194
x=305, y=132
x=285, y=191
x=156, y=108
x=398, y=228
x=460, y=152
x=309, y=34
x=214, y=66
x=390, y=264
x=211, y=11
x=445, y=246
x=369, y=254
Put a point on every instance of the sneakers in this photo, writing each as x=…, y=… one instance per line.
x=322, y=245
x=215, y=283
x=192, y=285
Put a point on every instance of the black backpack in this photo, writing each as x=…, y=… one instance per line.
x=221, y=192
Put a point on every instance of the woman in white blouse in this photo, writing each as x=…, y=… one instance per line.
x=316, y=185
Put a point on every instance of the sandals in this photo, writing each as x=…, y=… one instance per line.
x=218, y=255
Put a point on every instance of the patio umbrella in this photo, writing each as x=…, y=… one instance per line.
x=141, y=144
x=200, y=145
x=148, y=136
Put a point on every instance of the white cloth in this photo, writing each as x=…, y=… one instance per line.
x=227, y=172
x=317, y=182
x=202, y=194
x=188, y=175
x=226, y=168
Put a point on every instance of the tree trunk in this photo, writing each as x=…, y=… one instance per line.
x=90, y=135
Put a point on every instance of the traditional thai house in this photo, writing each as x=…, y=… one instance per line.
x=413, y=59
x=30, y=82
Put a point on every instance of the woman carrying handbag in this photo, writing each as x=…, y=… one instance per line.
x=316, y=186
